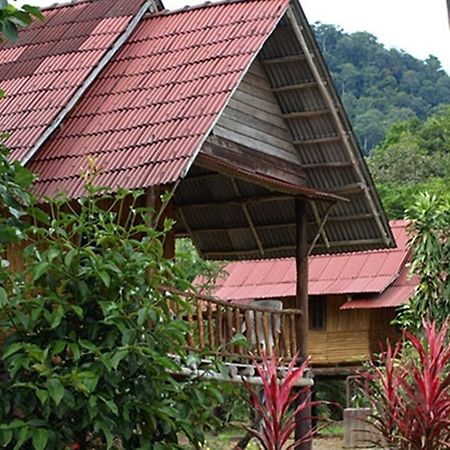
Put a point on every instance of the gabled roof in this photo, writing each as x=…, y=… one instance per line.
x=148, y=113
x=51, y=62
x=142, y=96
x=371, y=272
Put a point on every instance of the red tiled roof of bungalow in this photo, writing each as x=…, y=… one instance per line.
x=370, y=272
x=148, y=112
x=42, y=71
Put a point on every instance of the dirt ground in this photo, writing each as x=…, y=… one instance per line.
x=328, y=443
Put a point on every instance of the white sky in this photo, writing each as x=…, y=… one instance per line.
x=419, y=27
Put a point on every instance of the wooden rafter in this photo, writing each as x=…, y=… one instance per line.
x=305, y=114
x=295, y=87
x=281, y=226
x=249, y=218
x=328, y=165
x=284, y=59
x=317, y=141
x=291, y=248
x=237, y=201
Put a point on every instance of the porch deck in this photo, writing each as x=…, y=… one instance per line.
x=237, y=333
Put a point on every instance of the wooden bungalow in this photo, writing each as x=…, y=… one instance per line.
x=227, y=106
x=352, y=298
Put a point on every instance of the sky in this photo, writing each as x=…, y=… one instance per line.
x=419, y=27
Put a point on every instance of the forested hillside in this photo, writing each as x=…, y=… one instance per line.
x=414, y=157
x=379, y=86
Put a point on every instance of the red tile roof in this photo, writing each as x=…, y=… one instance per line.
x=146, y=115
x=42, y=72
x=352, y=273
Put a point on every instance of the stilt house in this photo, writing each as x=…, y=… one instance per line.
x=227, y=106
x=352, y=298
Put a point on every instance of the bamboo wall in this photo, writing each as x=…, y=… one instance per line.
x=346, y=338
x=350, y=336
x=381, y=328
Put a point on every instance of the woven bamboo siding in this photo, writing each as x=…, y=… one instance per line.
x=381, y=328
x=346, y=338
x=338, y=347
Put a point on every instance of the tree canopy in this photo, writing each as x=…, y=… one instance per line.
x=414, y=157
x=380, y=86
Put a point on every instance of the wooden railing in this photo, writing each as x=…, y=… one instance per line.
x=236, y=331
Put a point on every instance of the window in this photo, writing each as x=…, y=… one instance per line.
x=317, y=313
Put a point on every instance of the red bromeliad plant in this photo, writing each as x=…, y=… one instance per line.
x=409, y=391
x=281, y=403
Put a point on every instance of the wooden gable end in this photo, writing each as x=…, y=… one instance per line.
x=252, y=134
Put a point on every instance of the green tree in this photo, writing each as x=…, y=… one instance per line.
x=414, y=157
x=12, y=19
x=90, y=334
x=430, y=247
x=370, y=77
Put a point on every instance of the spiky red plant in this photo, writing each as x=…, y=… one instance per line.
x=409, y=391
x=281, y=403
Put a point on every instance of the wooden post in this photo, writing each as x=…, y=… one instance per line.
x=303, y=422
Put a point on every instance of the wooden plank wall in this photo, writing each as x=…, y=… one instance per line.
x=253, y=119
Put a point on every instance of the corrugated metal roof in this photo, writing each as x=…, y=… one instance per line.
x=145, y=117
x=42, y=71
x=395, y=295
x=351, y=273
x=149, y=111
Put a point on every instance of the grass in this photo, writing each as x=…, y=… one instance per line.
x=333, y=429
x=227, y=439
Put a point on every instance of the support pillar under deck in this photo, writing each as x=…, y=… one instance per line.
x=303, y=421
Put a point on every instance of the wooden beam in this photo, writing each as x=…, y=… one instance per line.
x=329, y=165
x=295, y=87
x=271, y=226
x=321, y=226
x=305, y=114
x=303, y=419
x=317, y=141
x=283, y=59
x=249, y=218
x=366, y=243
x=346, y=189
x=237, y=201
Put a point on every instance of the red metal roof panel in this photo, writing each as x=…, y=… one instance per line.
x=395, y=295
x=51, y=60
x=350, y=273
x=145, y=115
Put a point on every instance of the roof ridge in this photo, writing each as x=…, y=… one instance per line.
x=115, y=46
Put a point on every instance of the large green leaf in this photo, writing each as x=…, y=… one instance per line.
x=39, y=438
x=10, y=30
x=55, y=389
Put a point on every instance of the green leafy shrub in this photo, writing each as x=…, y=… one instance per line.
x=87, y=361
x=430, y=246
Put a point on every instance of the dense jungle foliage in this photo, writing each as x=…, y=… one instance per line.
x=414, y=157
x=380, y=86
